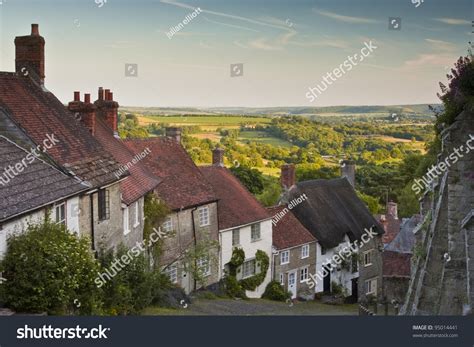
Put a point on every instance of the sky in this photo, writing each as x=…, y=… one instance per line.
x=285, y=47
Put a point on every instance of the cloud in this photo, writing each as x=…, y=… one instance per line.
x=429, y=60
x=453, y=21
x=441, y=45
x=264, y=44
x=346, y=19
x=230, y=25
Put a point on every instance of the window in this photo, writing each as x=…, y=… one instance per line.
x=104, y=208
x=203, y=215
x=285, y=257
x=235, y=237
x=304, y=274
x=323, y=250
x=60, y=213
x=126, y=226
x=167, y=225
x=255, y=232
x=172, y=273
x=248, y=268
x=304, y=251
x=354, y=263
x=137, y=214
x=371, y=286
x=282, y=279
x=204, y=266
x=368, y=258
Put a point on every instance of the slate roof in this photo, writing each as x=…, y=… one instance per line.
x=37, y=185
x=39, y=113
x=396, y=264
x=332, y=210
x=405, y=240
x=140, y=180
x=236, y=206
x=183, y=185
x=288, y=232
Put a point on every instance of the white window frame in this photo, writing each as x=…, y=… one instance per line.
x=167, y=225
x=137, y=214
x=368, y=258
x=282, y=279
x=236, y=232
x=285, y=257
x=304, y=251
x=204, y=266
x=203, y=216
x=254, y=228
x=371, y=286
x=172, y=273
x=304, y=274
x=57, y=216
x=244, y=267
x=126, y=220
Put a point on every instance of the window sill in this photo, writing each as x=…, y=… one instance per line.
x=135, y=225
x=367, y=265
x=305, y=257
x=256, y=240
x=126, y=232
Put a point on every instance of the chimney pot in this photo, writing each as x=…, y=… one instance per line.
x=111, y=96
x=107, y=92
x=101, y=93
x=288, y=178
x=77, y=96
x=87, y=98
x=218, y=157
x=348, y=169
x=34, y=30
x=174, y=133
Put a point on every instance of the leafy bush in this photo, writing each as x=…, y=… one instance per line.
x=233, y=287
x=49, y=269
x=275, y=291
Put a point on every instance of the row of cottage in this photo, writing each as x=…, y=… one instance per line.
x=69, y=162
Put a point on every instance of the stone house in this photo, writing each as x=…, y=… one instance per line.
x=25, y=102
x=193, y=221
x=349, y=247
x=294, y=254
x=243, y=223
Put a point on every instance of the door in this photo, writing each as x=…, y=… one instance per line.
x=292, y=284
x=327, y=281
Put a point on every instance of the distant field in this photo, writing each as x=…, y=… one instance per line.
x=263, y=137
x=205, y=121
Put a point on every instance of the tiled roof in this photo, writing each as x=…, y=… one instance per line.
x=396, y=264
x=332, y=210
x=236, y=206
x=183, y=185
x=37, y=185
x=40, y=113
x=405, y=240
x=288, y=231
x=140, y=180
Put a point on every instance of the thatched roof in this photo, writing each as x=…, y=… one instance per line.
x=332, y=210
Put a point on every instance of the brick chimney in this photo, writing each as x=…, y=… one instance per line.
x=348, y=169
x=84, y=111
x=174, y=133
x=218, y=157
x=29, y=55
x=392, y=209
x=288, y=178
x=107, y=108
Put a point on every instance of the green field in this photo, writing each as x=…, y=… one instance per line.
x=207, y=122
x=262, y=137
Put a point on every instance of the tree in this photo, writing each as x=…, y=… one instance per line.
x=252, y=179
x=50, y=269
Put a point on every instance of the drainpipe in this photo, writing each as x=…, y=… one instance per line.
x=91, y=198
x=195, y=244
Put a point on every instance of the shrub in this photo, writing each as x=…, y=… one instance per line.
x=275, y=291
x=49, y=269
